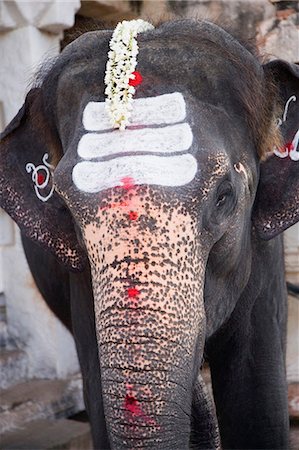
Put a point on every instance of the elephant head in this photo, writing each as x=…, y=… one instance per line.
x=164, y=212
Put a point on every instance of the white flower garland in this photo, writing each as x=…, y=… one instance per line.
x=120, y=66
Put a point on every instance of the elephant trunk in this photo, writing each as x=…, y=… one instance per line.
x=148, y=287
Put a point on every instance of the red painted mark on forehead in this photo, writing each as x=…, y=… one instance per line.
x=114, y=205
x=133, y=215
x=127, y=182
x=133, y=292
x=136, y=80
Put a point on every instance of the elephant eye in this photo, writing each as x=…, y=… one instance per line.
x=221, y=200
x=224, y=194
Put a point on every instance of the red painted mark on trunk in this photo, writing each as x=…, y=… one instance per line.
x=127, y=182
x=132, y=406
x=114, y=205
x=133, y=215
x=133, y=292
x=40, y=178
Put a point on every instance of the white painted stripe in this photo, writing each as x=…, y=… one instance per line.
x=176, y=170
x=161, y=110
x=175, y=138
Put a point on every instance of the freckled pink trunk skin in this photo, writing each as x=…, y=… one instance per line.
x=148, y=277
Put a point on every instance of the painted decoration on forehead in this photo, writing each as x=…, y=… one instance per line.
x=41, y=176
x=154, y=152
x=92, y=177
x=290, y=149
x=169, y=139
x=147, y=151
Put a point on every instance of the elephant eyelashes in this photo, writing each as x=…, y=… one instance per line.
x=221, y=200
x=225, y=195
x=225, y=202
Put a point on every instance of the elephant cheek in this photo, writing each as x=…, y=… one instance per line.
x=147, y=273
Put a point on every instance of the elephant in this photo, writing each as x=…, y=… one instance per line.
x=160, y=246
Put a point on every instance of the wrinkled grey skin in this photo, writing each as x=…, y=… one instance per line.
x=207, y=282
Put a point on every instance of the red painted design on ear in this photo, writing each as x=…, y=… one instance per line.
x=136, y=80
x=133, y=292
x=133, y=215
x=40, y=178
x=41, y=175
x=289, y=146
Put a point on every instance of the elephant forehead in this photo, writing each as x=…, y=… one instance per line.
x=110, y=156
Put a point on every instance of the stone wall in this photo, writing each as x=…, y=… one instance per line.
x=29, y=33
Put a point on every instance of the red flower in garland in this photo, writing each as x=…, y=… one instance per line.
x=136, y=80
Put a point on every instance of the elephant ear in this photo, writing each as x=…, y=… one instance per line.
x=26, y=185
x=277, y=201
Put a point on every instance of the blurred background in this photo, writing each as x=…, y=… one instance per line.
x=41, y=394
